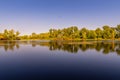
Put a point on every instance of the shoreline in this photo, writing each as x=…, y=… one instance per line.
x=64, y=40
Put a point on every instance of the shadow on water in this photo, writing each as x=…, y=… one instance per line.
x=105, y=47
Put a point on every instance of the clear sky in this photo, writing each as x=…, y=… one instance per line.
x=38, y=16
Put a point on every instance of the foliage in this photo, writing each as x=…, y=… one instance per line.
x=70, y=33
x=10, y=35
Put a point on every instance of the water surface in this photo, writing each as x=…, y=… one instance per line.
x=73, y=60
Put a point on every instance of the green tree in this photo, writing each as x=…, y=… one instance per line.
x=51, y=33
x=83, y=33
x=106, y=32
x=113, y=33
x=33, y=35
x=75, y=32
x=6, y=34
x=118, y=31
x=11, y=35
x=92, y=34
x=17, y=35
x=99, y=33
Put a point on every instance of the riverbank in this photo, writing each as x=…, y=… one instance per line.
x=63, y=40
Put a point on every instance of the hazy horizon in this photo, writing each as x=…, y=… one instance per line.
x=39, y=16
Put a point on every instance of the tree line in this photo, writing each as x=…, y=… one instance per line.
x=10, y=35
x=70, y=33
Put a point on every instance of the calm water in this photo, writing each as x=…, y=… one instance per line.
x=60, y=60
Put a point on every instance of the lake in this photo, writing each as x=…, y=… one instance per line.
x=60, y=60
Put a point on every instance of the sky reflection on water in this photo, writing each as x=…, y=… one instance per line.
x=60, y=60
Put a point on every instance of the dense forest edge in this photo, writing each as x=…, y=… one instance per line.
x=70, y=33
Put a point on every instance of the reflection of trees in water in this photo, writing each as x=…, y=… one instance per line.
x=99, y=46
x=72, y=47
x=83, y=47
x=118, y=49
x=9, y=45
x=65, y=47
x=105, y=47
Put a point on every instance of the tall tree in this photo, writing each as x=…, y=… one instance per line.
x=92, y=34
x=118, y=31
x=99, y=33
x=113, y=33
x=51, y=33
x=11, y=34
x=17, y=35
x=106, y=32
x=6, y=34
x=83, y=33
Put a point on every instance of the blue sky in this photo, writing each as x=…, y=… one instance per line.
x=39, y=16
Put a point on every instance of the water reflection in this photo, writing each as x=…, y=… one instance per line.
x=72, y=46
x=105, y=46
x=9, y=45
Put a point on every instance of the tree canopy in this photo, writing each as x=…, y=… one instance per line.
x=70, y=33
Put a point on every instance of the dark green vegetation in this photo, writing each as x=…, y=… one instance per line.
x=70, y=33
